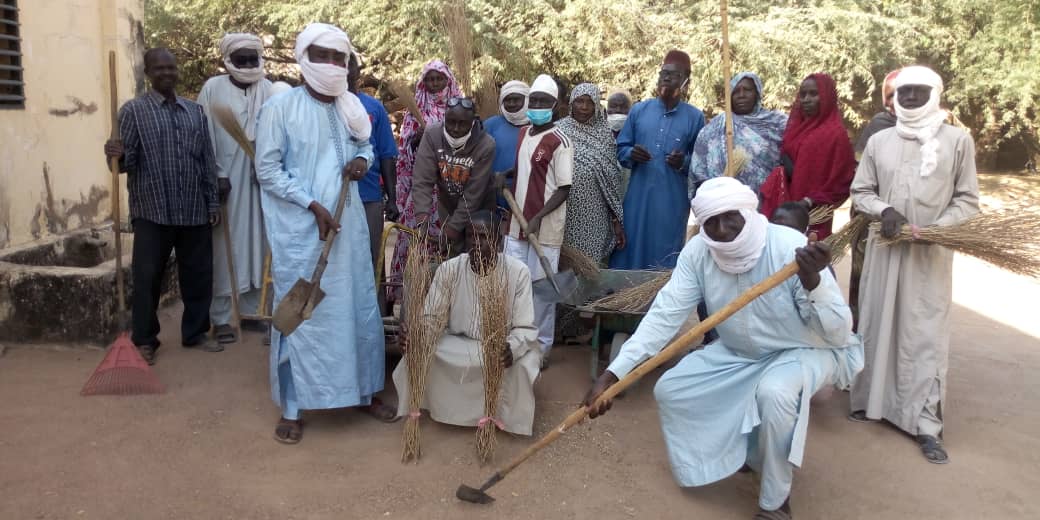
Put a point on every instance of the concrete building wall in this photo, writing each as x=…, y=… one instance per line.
x=53, y=176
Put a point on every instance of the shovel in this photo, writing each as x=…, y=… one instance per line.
x=532, y=239
x=304, y=296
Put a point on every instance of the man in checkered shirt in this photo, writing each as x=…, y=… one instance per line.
x=171, y=177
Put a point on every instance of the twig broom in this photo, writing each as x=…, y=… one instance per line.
x=493, y=326
x=1008, y=241
x=460, y=39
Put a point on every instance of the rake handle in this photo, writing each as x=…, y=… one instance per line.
x=678, y=346
x=323, y=260
x=113, y=166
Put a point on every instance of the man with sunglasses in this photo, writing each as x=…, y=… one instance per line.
x=656, y=143
x=242, y=91
x=456, y=157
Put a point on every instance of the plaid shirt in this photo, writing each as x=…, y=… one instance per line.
x=171, y=173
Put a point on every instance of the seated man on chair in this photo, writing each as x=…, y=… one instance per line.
x=455, y=385
x=744, y=398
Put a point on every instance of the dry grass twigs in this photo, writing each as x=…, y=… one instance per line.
x=583, y=266
x=740, y=160
x=494, y=329
x=422, y=333
x=820, y=214
x=227, y=121
x=1006, y=240
x=460, y=39
x=403, y=92
x=634, y=299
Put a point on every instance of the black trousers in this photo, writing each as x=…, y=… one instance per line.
x=152, y=246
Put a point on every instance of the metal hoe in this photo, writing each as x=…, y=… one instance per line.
x=299, y=303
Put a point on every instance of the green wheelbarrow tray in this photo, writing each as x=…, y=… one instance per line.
x=589, y=290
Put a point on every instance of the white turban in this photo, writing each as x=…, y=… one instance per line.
x=237, y=41
x=923, y=123
x=546, y=85
x=256, y=95
x=518, y=118
x=722, y=194
x=331, y=80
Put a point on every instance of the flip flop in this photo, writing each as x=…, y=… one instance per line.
x=288, y=431
x=860, y=416
x=779, y=514
x=932, y=449
x=225, y=334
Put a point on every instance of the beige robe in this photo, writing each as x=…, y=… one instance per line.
x=906, y=289
x=455, y=383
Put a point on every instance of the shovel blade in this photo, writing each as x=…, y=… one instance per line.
x=289, y=314
x=566, y=284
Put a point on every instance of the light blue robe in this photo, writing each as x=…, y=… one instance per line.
x=656, y=208
x=771, y=357
x=336, y=357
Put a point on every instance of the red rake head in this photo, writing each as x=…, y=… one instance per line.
x=122, y=372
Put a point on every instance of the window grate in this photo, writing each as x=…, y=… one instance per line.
x=12, y=86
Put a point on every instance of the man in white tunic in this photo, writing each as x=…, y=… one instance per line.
x=310, y=142
x=744, y=398
x=455, y=383
x=921, y=173
x=242, y=91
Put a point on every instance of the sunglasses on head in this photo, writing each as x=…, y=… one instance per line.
x=466, y=103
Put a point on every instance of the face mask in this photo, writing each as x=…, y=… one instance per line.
x=616, y=121
x=457, y=143
x=518, y=118
x=539, y=116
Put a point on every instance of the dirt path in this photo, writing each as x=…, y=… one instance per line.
x=204, y=449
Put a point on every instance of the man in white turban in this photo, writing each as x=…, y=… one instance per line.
x=241, y=92
x=311, y=144
x=505, y=129
x=744, y=398
x=919, y=173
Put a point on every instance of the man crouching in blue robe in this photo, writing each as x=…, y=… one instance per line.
x=743, y=399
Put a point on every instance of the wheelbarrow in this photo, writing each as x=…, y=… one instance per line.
x=622, y=324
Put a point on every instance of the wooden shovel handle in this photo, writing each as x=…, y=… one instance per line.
x=323, y=260
x=532, y=238
x=680, y=345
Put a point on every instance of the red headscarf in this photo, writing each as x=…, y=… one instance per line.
x=819, y=147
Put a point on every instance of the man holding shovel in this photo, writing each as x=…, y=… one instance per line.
x=544, y=167
x=744, y=399
x=312, y=147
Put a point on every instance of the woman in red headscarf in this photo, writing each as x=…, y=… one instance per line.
x=816, y=153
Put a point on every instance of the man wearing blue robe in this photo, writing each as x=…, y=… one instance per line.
x=743, y=399
x=311, y=140
x=656, y=143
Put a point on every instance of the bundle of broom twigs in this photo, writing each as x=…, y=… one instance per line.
x=583, y=267
x=638, y=298
x=1006, y=240
x=820, y=214
x=460, y=39
x=422, y=332
x=404, y=93
x=494, y=329
x=228, y=121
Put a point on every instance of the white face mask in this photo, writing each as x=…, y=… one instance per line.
x=616, y=121
x=456, y=143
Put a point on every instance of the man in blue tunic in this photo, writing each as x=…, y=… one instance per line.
x=743, y=399
x=310, y=141
x=656, y=143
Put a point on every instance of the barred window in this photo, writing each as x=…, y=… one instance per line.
x=12, y=89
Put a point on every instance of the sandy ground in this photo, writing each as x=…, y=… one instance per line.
x=204, y=449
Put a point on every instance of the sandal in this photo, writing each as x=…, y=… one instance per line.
x=382, y=412
x=783, y=513
x=225, y=334
x=148, y=353
x=860, y=416
x=288, y=431
x=932, y=449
